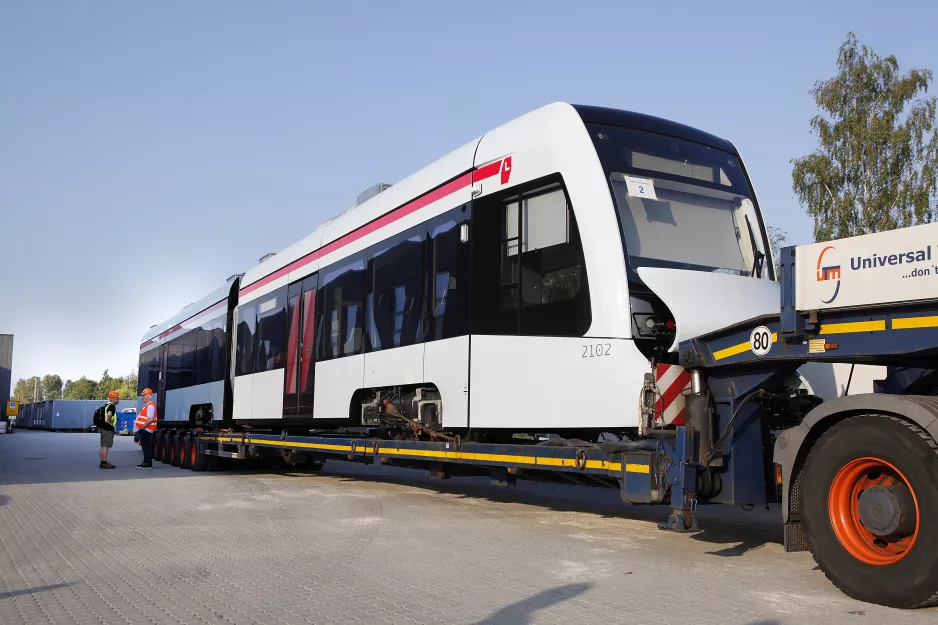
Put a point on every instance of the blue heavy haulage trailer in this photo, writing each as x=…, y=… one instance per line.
x=857, y=477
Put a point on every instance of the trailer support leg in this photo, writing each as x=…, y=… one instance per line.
x=438, y=471
x=502, y=478
x=682, y=476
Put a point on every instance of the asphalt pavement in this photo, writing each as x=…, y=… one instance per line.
x=360, y=544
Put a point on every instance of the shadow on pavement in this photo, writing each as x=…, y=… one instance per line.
x=730, y=528
x=732, y=551
x=523, y=611
x=32, y=591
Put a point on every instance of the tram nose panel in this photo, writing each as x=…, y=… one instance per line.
x=704, y=302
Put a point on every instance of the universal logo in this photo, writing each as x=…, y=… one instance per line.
x=829, y=271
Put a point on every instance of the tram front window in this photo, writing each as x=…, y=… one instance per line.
x=681, y=204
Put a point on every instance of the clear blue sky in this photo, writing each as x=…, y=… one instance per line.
x=148, y=150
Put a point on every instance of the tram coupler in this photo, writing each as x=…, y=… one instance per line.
x=681, y=473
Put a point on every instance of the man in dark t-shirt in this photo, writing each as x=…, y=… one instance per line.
x=107, y=428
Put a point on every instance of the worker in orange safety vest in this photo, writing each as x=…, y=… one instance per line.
x=145, y=425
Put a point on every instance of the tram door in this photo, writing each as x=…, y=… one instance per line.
x=530, y=313
x=299, y=376
x=161, y=388
x=446, y=360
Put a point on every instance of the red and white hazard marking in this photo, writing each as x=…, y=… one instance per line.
x=672, y=381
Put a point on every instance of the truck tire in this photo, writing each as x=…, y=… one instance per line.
x=869, y=500
x=169, y=447
x=158, y=447
x=200, y=461
x=175, y=443
x=166, y=445
x=185, y=460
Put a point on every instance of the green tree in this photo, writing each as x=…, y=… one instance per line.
x=128, y=386
x=24, y=389
x=876, y=165
x=82, y=388
x=778, y=238
x=51, y=387
x=106, y=385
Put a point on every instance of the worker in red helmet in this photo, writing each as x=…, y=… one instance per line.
x=105, y=418
x=146, y=426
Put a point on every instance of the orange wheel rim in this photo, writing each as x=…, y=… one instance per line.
x=192, y=455
x=844, y=505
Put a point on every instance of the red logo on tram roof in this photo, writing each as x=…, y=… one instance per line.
x=506, y=169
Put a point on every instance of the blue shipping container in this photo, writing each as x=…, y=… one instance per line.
x=73, y=414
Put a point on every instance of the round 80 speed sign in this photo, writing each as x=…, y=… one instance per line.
x=760, y=341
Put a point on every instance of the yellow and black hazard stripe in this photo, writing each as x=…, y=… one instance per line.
x=844, y=327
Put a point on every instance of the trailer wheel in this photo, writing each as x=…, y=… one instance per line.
x=200, y=461
x=175, y=454
x=158, y=447
x=166, y=446
x=870, y=506
x=170, y=453
x=185, y=460
x=170, y=447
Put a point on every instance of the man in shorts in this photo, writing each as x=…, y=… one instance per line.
x=107, y=427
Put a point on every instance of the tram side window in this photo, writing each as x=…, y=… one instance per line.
x=190, y=344
x=341, y=310
x=449, y=274
x=218, y=343
x=153, y=369
x=142, y=370
x=173, y=364
x=149, y=373
x=244, y=356
x=272, y=331
x=396, y=301
x=529, y=275
x=203, y=354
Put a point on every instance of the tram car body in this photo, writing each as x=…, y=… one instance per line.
x=524, y=282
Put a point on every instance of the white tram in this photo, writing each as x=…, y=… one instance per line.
x=525, y=282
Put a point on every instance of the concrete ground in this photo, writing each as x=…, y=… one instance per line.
x=357, y=544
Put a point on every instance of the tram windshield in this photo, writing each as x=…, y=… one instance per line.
x=681, y=204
